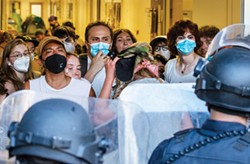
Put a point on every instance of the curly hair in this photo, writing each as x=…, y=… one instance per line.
x=179, y=28
x=208, y=31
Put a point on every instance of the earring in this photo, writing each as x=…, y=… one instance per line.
x=9, y=64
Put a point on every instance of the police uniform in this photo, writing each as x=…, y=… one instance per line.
x=223, y=83
x=210, y=144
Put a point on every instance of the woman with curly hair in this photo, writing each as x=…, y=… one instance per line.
x=183, y=41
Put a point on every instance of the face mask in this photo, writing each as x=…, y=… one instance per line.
x=165, y=54
x=55, y=63
x=22, y=64
x=100, y=46
x=69, y=47
x=32, y=56
x=185, y=46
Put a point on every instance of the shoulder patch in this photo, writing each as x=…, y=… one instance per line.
x=180, y=136
x=183, y=132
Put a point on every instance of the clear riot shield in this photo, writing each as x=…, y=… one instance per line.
x=120, y=123
x=133, y=130
x=169, y=108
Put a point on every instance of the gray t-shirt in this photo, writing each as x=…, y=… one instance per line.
x=172, y=76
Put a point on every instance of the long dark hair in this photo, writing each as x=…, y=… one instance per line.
x=8, y=70
x=118, y=32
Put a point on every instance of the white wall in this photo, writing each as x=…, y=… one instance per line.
x=246, y=12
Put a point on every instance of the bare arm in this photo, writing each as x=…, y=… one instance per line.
x=109, y=79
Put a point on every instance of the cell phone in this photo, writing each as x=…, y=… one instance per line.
x=111, y=54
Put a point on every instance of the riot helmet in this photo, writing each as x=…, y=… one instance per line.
x=224, y=81
x=232, y=35
x=55, y=129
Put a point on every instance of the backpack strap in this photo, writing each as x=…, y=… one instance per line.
x=84, y=63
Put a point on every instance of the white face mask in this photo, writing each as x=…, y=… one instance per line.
x=165, y=54
x=69, y=47
x=22, y=64
x=32, y=56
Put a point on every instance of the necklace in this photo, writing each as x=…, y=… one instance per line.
x=183, y=70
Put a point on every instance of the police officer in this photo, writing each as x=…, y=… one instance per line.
x=55, y=131
x=224, y=84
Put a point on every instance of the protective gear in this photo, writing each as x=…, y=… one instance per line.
x=186, y=46
x=69, y=47
x=100, y=46
x=225, y=80
x=22, y=64
x=55, y=63
x=54, y=129
x=233, y=35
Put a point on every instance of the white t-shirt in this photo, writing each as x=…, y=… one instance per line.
x=98, y=79
x=172, y=76
x=76, y=88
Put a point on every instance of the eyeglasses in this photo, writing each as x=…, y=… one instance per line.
x=189, y=36
x=19, y=55
x=68, y=40
x=158, y=48
x=32, y=49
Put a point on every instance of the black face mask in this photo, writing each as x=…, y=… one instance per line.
x=55, y=63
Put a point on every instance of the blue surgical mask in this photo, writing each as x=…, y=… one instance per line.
x=185, y=46
x=100, y=46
